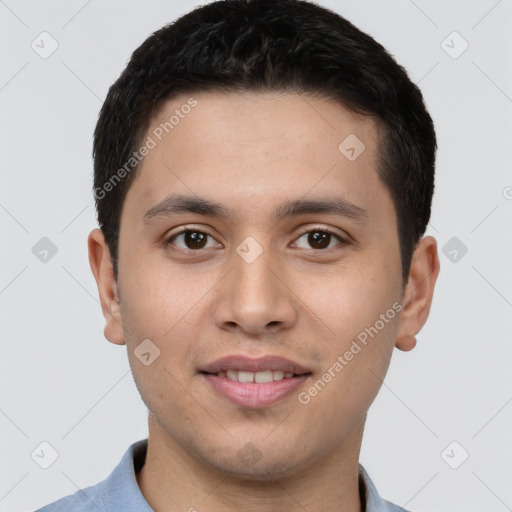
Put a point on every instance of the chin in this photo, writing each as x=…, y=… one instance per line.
x=260, y=468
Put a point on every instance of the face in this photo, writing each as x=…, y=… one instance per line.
x=282, y=254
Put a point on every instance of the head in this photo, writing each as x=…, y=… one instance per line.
x=262, y=119
x=258, y=46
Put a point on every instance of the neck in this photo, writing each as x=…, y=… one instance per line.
x=173, y=480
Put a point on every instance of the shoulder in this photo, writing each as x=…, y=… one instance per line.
x=391, y=507
x=374, y=502
x=119, y=492
x=83, y=500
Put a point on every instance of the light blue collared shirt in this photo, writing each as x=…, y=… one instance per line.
x=119, y=492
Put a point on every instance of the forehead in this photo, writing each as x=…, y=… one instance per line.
x=246, y=147
x=249, y=121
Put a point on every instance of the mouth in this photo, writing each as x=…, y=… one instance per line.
x=260, y=377
x=254, y=383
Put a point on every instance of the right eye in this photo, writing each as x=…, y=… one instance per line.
x=191, y=240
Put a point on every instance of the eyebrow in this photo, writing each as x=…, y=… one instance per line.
x=179, y=204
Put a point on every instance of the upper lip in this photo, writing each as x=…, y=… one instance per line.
x=251, y=364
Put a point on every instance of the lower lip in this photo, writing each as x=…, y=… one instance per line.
x=252, y=395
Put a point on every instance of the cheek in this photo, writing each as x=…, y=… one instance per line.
x=350, y=300
x=170, y=309
x=352, y=374
x=155, y=299
x=361, y=309
x=164, y=392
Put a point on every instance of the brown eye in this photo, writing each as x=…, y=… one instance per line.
x=190, y=239
x=195, y=239
x=319, y=239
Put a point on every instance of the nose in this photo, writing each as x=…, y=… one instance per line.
x=255, y=298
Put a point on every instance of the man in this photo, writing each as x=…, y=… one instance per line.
x=264, y=174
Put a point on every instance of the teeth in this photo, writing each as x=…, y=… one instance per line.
x=245, y=377
x=232, y=374
x=258, y=377
x=279, y=375
x=262, y=377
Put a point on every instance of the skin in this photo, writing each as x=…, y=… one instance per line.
x=252, y=152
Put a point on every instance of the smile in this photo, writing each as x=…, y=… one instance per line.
x=257, y=377
x=254, y=382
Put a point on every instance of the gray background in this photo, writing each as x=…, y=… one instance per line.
x=62, y=383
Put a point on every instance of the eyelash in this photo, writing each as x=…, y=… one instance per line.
x=342, y=241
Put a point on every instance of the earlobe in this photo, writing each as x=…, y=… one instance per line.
x=418, y=293
x=101, y=266
x=405, y=343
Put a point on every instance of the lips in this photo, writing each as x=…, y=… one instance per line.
x=248, y=364
x=254, y=383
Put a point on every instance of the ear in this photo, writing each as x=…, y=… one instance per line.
x=101, y=266
x=418, y=292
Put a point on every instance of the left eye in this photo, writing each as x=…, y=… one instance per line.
x=319, y=239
